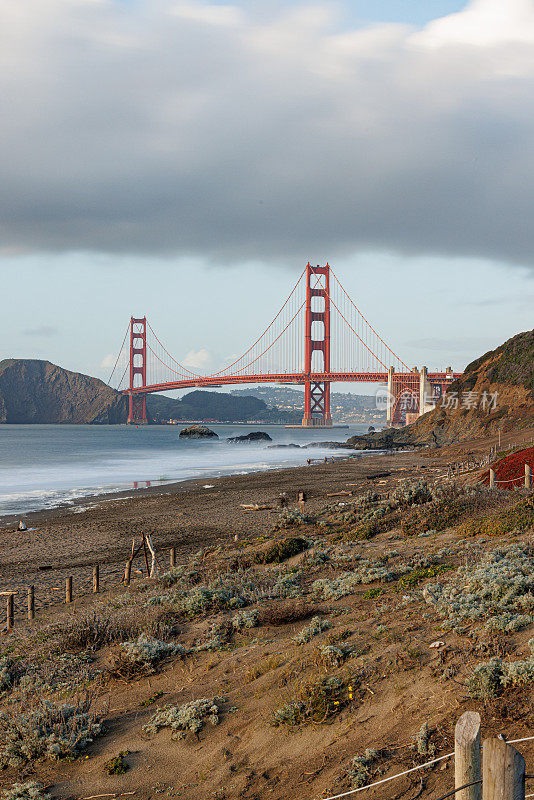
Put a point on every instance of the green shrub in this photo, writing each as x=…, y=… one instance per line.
x=518, y=517
x=25, y=791
x=416, y=576
x=189, y=717
x=371, y=594
x=490, y=677
x=141, y=657
x=359, y=772
x=39, y=729
x=314, y=628
x=318, y=700
x=422, y=743
x=290, y=517
x=498, y=586
x=117, y=765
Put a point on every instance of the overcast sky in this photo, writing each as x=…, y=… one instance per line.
x=184, y=159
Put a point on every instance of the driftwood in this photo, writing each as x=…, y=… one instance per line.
x=154, y=567
x=340, y=494
x=255, y=507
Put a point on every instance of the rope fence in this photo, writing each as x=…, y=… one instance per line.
x=469, y=756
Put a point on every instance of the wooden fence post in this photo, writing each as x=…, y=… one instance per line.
x=172, y=557
x=528, y=476
x=467, y=756
x=503, y=771
x=68, y=589
x=96, y=579
x=31, y=602
x=10, y=615
x=127, y=573
x=492, y=479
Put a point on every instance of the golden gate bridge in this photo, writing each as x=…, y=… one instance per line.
x=318, y=337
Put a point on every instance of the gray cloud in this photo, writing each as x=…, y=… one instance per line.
x=173, y=127
x=42, y=331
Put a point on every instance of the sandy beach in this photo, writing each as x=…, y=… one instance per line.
x=68, y=541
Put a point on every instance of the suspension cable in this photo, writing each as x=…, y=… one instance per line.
x=366, y=321
x=352, y=329
x=119, y=355
x=184, y=369
x=297, y=312
x=265, y=331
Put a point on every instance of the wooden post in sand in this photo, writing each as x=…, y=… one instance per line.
x=467, y=757
x=528, y=476
x=96, y=579
x=492, y=479
x=68, y=589
x=503, y=771
x=10, y=611
x=31, y=602
x=127, y=573
x=172, y=557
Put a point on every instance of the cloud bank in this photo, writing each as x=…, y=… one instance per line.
x=178, y=128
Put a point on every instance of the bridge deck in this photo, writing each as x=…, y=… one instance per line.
x=292, y=378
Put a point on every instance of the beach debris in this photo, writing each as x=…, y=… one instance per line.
x=255, y=507
x=437, y=644
x=22, y=526
x=343, y=493
x=208, y=486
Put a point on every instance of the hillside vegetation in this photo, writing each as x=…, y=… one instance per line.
x=338, y=647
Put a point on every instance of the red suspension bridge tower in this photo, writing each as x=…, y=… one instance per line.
x=317, y=323
x=137, y=402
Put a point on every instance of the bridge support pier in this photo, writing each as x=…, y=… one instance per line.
x=137, y=409
x=316, y=402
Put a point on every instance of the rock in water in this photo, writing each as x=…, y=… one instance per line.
x=255, y=436
x=197, y=432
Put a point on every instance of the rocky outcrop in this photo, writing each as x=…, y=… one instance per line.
x=38, y=392
x=254, y=436
x=197, y=432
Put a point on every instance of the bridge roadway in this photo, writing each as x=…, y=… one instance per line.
x=215, y=381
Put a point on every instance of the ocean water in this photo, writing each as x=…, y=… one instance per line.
x=44, y=466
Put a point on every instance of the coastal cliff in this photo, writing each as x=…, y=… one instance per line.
x=33, y=391
x=496, y=391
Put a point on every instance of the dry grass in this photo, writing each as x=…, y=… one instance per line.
x=285, y=613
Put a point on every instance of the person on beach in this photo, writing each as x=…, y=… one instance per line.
x=22, y=526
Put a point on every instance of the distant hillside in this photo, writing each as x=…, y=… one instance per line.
x=495, y=391
x=33, y=391
x=38, y=392
x=205, y=405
